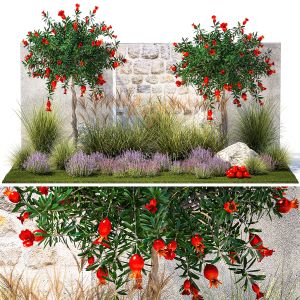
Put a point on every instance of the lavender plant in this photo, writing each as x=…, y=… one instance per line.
x=37, y=163
x=81, y=164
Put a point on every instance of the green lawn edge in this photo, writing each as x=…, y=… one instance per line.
x=20, y=176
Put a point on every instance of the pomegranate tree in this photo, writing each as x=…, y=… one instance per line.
x=73, y=51
x=222, y=63
x=124, y=233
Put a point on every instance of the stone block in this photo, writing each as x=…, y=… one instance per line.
x=144, y=89
x=126, y=68
x=36, y=257
x=158, y=67
x=142, y=67
x=134, y=51
x=10, y=252
x=9, y=224
x=150, y=51
x=165, y=51
x=137, y=79
x=152, y=79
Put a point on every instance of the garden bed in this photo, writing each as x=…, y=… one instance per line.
x=20, y=176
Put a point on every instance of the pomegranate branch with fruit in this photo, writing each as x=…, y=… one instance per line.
x=122, y=233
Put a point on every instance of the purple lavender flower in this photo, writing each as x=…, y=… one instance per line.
x=37, y=163
x=81, y=164
x=201, y=154
x=163, y=160
x=176, y=168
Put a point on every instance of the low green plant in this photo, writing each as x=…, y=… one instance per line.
x=20, y=156
x=43, y=129
x=111, y=139
x=256, y=166
x=280, y=156
x=256, y=127
x=61, y=154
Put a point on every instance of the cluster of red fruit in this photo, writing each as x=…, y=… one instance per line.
x=28, y=237
x=238, y=172
x=166, y=251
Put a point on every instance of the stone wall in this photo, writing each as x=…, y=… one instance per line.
x=283, y=235
x=146, y=75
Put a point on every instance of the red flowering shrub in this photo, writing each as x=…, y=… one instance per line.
x=118, y=230
x=71, y=52
x=223, y=62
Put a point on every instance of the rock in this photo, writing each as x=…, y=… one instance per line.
x=165, y=51
x=237, y=154
x=134, y=51
x=126, y=68
x=10, y=252
x=122, y=80
x=143, y=89
x=137, y=79
x=151, y=79
x=158, y=67
x=142, y=67
x=38, y=257
x=150, y=51
x=9, y=224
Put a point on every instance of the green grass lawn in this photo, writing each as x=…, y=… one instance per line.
x=19, y=176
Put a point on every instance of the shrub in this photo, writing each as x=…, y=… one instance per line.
x=204, y=164
x=256, y=128
x=61, y=154
x=176, y=168
x=37, y=163
x=112, y=140
x=134, y=164
x=43, y=129
x=162, y=160
x=81, y=164
x=280, y=157
x=19, y=157
x=256, y=166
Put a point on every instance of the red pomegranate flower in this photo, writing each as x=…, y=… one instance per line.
x=152, y=206
x=136, y=265
x=77, y=6
x=212, y=52
x=257, y=243
x=48, y=105
x=27, y=237
x=232, y=257
x=195, y=293
x=245, y=21
x=178, y=83
x=61, y=14
x=104, y=28
x=115, y=64
x=173, y=68
x=83, y=90
x=159, y=246
x=209, y=115
x=256, y=52
x=39, y=238
x=197, y=242
x=25, y=43
x=44, y=190
x=186, y=287
x=47, y=72
x=230, y=206
x=24, y=216
x=101, y=80
x=185, y=54
x=91, y=260
x=102, y=274
x=205, y=80
x=95, y=9
x=260, y=38
x=256, y=290
x=217, y=94
x=284, y=205
x=223, y=26
x=53, y=84
x=214, y=18
x=45, y=41
x=211, y=273
x=75, y=26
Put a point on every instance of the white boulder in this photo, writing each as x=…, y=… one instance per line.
x=237, y=154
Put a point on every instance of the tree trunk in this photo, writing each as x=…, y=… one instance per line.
x=153, y=291
x=224, y=115
x=74, y=116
